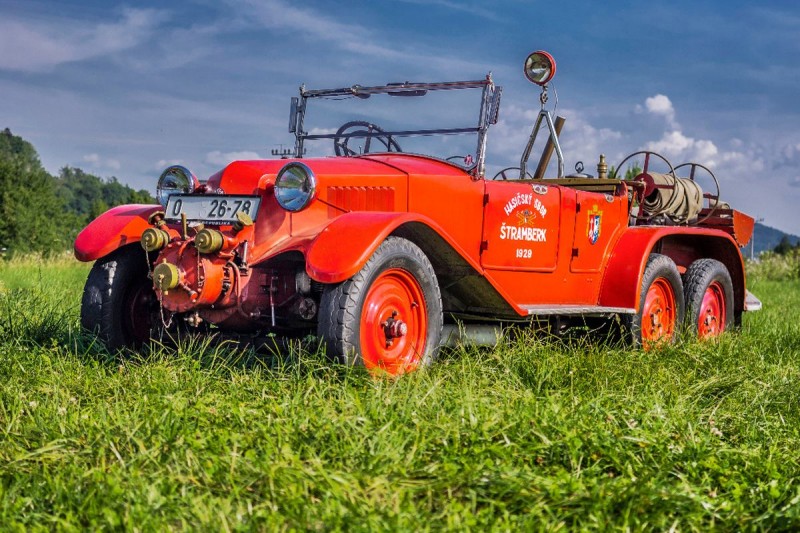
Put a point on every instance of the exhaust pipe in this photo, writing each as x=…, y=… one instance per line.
x=454, y=335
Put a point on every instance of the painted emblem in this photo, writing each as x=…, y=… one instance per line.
x=540, y=189
x=526, y=217
x=595, y=218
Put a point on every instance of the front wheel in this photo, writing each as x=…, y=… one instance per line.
x=119, y=304
x=709, y=298
x=388, y=317
x=661, y=304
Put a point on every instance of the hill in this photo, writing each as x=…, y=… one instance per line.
x=766, y=238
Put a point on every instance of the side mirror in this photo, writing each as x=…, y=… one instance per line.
x=293, y=114
x=494, y=106
x=540, y=67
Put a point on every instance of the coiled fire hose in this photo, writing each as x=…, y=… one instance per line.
x=679, y=199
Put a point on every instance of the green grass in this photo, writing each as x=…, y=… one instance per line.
x=535, y=434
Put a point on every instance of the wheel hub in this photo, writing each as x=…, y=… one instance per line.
x=393, y=328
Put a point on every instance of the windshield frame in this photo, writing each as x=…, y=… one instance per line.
x=489, y=111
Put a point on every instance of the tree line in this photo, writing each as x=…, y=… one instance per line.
x=785, y=246
x=44, y=213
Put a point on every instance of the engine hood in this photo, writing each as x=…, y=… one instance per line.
x=248, y=177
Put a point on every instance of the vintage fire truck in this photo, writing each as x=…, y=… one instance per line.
x=385, y=254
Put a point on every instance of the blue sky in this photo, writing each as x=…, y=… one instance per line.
x=125, y=89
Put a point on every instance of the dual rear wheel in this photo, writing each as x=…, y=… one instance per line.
x=703, y=299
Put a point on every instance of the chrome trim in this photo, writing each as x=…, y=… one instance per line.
x=182, y=172
x=311, y=185
x=575, y=310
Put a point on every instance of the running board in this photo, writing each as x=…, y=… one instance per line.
x=751, y=303
x=576, y=310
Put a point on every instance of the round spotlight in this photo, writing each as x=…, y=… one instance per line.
x=540, y=67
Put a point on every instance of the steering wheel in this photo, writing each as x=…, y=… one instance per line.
x=510, y=171
x=362, y=129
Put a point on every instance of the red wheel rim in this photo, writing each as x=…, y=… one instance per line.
x=659, y=314
x=711, y=319
x=394, y=297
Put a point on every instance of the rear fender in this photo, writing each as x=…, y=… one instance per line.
x=347, y=243
x=113, y=229
x=621, y=284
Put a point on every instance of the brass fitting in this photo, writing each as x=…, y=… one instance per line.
x=157, y=219
x=154, y=239
x=209, y=241
x=166, y=276
x=602, y=168
x=242, y=221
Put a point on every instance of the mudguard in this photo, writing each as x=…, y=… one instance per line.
x=621, y=283
x=113, y=229
x=347, y=243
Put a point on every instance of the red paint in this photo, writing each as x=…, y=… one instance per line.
x=660, y=315
x=394, y=326
x=712, y=317
x=115, y=228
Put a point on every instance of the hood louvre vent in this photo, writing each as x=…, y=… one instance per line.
x=360, y=199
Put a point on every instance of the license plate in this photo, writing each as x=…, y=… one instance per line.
x=214, y=209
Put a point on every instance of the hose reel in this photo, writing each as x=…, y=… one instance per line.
x=680, y=200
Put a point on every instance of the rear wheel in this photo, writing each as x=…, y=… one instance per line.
x=709, y=298
x=119, y=304
x=661, y=304
x=388, y=317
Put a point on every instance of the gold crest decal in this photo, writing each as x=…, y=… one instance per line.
x=526, y=217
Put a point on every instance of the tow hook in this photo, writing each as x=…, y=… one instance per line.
x=393, y=329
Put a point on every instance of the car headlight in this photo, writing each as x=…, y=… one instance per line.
x=295, y=186
x=175, y=180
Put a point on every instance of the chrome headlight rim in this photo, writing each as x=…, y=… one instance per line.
x=539, y=67
x=175, y=179
x=295, y=186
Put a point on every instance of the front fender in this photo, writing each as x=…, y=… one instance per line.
x=347, y=243
x=621, y=284
x=113, y=229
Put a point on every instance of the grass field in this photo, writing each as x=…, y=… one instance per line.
x=535, y=434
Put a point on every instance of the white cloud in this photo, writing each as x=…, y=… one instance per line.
x=222, y=159
x=164, y=163
x=303, y=23
x=96, y=161
x=678, y=147
x=660, y=105
x=466, y=7
x=579, y=140
x=38, y=46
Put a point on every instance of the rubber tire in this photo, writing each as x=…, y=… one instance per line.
x=342, y=304
x=112, y=282
x=658, y=266
x=699, y=276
